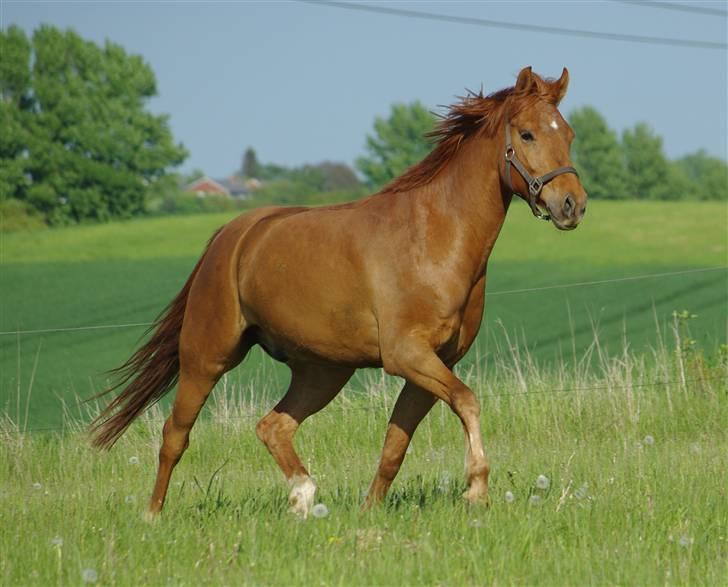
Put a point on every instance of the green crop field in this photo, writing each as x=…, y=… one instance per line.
x=597, y=387
x=124, y=273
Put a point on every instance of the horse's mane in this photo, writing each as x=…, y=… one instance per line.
x=473, y=114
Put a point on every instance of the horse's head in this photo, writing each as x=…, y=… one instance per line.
x=537, y=139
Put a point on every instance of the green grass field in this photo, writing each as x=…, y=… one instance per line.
x=597, y=387
x=635, y=459
x=124, y=273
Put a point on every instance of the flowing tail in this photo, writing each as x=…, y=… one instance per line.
x=149, y=373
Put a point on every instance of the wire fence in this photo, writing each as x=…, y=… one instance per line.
x=488, y=294
x=652, y=385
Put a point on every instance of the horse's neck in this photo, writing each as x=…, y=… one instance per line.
x=471, y=195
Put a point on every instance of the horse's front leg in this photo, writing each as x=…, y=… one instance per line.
x=422, y=368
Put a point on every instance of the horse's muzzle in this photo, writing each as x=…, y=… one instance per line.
x=570, y=214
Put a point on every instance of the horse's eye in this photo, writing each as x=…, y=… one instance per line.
x=526, y=136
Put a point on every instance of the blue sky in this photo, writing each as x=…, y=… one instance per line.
x=303, y=83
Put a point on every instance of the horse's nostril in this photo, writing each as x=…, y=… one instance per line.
x=569, y=205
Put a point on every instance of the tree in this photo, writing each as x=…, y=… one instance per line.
x=14, y=110
x=397, y=143
x=336, y=176
x=708, y=176
x=250, y=167
x=649, y=173
x=597, y=155
x=304, y=185
x=89, y=148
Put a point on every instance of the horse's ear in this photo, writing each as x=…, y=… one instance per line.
x=525, y=80
x=560, y=86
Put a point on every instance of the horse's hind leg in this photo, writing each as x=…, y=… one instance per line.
x=204, y=358
x=191, y=395
x=312, y=388
x=413, y=404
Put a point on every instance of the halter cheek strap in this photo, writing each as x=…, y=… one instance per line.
x=535, y=184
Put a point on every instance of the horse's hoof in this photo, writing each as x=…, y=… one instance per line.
x=476, y=498
x=301, y=497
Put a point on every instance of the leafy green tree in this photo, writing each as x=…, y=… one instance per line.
x=15, y=54
x=250, y=167
x=310, y=184
x=398, y=142
x=708, y=176
x=89, y=148
x=597, y=155
x=337, y=176
x=649, y=173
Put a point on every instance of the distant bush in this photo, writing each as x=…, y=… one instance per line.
x=16, y=215
x=287, y=193
x=185, y=203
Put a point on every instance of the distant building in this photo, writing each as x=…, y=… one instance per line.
x=233, y=186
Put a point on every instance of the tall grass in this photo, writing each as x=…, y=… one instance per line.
x=634, y=452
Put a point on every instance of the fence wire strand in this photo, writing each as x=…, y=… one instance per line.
x=488, y=294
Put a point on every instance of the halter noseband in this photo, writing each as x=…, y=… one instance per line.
x=535, y=184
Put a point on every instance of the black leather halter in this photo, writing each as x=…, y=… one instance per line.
x=535, y=184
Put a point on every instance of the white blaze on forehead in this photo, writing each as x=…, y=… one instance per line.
x=553, y=124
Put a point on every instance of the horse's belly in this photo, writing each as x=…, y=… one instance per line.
x=298, y=319
x=337, y=334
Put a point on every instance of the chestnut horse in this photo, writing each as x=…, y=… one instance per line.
x=395, y=280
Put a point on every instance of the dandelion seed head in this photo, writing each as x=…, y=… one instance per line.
x=535, y=499
x=130, y=499
x=444, y=481
x=37, y=486
x=582, y=492
x=542, y=482
x=685, y=541
x=89, y=576
x=134, y=460
x=509, y=497
x=475, y=523
x=649, y=440
x=319, y=511
x=695, y=448
x=57, y=541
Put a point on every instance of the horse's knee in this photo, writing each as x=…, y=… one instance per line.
x=465, y=403
x=274, y=429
